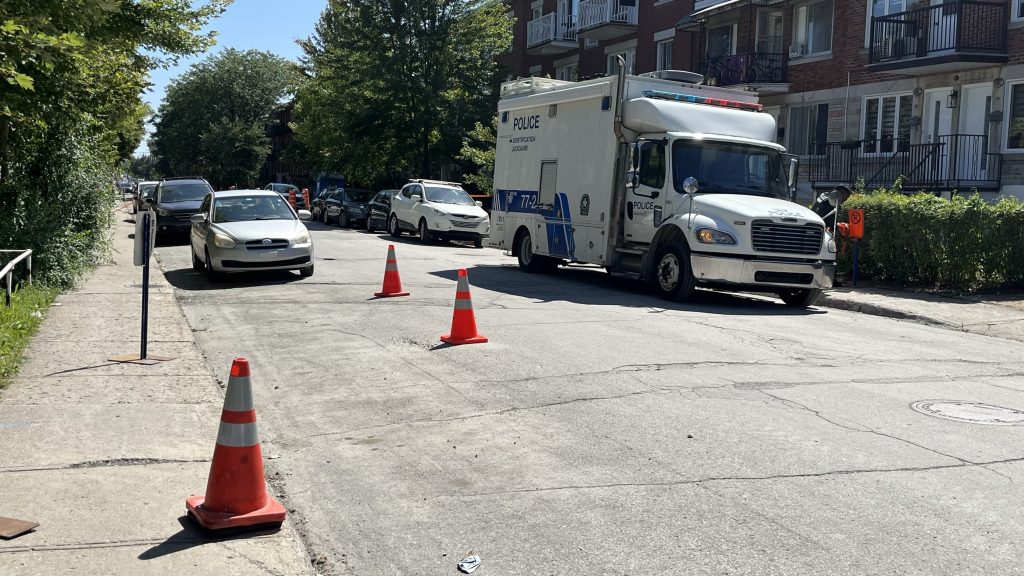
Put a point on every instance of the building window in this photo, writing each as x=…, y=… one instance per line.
x=1018, y=10
x=570, y=72
x=721, y=41
x=536, y=10
x=812, y=28
x=808, y=129
x=881, y=8
x=1015, y=123
x=590, y=43
x=613, y=62
x=887, y=124
x=665, y=55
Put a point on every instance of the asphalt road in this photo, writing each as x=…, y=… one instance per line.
x=604, y=431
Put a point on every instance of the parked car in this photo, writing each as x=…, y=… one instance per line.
x=378, y=210
x=249, y=230
x=318, y=204
x=175, y=201
x=284, y=190
x=347, y=207
x=145, y=190
x=435, y=209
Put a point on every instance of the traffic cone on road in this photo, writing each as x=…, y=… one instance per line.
x=236, y=493
x=463, y=320
x=392, y=281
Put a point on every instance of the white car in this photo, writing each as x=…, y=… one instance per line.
x=249, y=230
x=434, y=209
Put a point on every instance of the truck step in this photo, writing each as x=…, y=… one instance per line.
x=636, y=251
x=627, y=275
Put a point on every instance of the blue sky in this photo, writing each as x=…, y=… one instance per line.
x=270, y=25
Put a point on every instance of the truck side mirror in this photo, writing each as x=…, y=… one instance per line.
x=793, y=174
x=636, y=156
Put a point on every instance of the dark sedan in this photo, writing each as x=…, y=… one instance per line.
x=317, y=208
x=379, y=210
x=176, y=200
x=347, y=207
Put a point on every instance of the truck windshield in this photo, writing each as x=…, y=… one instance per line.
x=724, y=167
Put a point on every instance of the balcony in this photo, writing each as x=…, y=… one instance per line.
x=550, y=34
x=955, y=162
x=957, y=35
x=764, y=72
x=605, y=19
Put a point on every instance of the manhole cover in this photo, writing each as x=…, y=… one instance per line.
x=973, y=412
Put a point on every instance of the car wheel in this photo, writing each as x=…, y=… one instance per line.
x=425, y=236
x=369, y=224
x=197, y=264
x=343, y=220
x=306, y=272
x=393, y=226
x=673, y=278
x=799, y=297
x=211, y=274
x=323, y=216
x=530, y=262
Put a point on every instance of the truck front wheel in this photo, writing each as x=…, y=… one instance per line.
x=801, y=298
x=529, y=261
x=672, y=276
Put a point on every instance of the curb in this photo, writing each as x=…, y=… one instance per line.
x=827, y=301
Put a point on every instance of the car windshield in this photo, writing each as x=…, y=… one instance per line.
x=359, y=196
x=184, y=192
x=728, y=168
x=446, y=195
x=248, y=208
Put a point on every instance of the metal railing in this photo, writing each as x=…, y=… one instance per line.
x=752, y=67
x=974, y=26
x=7, y=273
x=594, y=13
x=550, y=27
x=955, y=161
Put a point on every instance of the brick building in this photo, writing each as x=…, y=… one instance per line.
x=872, y=89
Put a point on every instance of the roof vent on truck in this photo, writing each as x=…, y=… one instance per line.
x=658, y=94
x=531, y=85
x=682, y=76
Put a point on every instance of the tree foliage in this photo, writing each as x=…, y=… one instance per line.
x=395, y=84
x=71, y=77
x=478, y=149
x=213, y=120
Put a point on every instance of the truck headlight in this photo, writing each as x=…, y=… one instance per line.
x=222, y=241
x=831, y=245
x=302, y=237
x=712, y=236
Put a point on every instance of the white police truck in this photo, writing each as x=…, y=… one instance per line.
x=657, y=178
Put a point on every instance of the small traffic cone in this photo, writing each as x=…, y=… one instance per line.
x=463, y=320
x=236, y=493
x=392, y=281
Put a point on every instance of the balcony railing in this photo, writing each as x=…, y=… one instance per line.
x=958, y=161
x=958, y=26
x=594, y=13
x=550, y=28
x=749, y=68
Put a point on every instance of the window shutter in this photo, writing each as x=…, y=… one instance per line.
x=548, y=183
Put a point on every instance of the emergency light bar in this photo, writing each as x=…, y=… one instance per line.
x=702, y=100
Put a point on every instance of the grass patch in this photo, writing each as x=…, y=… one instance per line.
x=17, y=325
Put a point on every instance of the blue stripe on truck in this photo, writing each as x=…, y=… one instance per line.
x=557, y=218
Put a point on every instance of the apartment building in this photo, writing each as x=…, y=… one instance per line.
x=861, y=89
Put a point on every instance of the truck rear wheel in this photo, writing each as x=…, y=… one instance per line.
x=673, y=278
x=799, y=297
x=530, y=262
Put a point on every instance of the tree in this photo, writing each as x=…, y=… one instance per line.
x=143, y=168
x=394, y=85
x=213, y=120
x=478, y=149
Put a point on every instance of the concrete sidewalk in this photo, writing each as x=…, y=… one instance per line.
x=102, y=455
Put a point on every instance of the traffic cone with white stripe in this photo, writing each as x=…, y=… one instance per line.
x=392, y=281
x=236, y=493
x=463, y=319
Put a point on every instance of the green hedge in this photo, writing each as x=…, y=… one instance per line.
x=961, y=244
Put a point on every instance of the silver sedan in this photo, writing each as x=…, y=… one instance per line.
x=249, y=230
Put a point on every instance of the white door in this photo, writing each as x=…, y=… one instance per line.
x=972, y=145
x=942, y=35
x=938, y=122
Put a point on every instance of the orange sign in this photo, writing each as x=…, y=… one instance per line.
x=856, y=217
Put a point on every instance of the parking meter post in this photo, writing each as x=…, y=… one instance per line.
x=856, y=260
x=29, y=267
x=145, y=282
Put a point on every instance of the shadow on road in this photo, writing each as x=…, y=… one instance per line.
x=191, y=536
x=189, y=279
x=415, y=240
x=591, y=285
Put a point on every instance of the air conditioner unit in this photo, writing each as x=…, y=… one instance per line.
x=796, y=50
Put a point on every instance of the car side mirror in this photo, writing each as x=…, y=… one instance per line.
x=305, y=215
x=147, y=201
x=197, y=218
x=416, y=198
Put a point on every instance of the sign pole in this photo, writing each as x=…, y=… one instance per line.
x=145, y=285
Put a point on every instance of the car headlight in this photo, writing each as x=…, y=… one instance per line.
x=302, y=237
x=439, y=212
x=162, y=212
x=712, y=236
x=222, y=241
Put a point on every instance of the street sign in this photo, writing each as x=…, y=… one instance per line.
x=143, y=252
x=856, y=217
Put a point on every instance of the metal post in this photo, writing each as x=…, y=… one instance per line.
x=145, y=283
x=8, y=280
x=30, y=268
x=856, y=261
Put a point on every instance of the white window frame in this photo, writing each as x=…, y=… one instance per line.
x=896, y=119
x=569, y=71
x=536, y=9
x=790, y=133
x=659, y=50
x=870, y=13
x=1017, y=11
x=1008, y=118
x=628, y=51
x=796, y=7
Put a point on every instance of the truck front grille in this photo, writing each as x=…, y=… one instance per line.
x=786, y=238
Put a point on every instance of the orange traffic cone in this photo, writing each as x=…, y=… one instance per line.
x=463, y=320
x=291, y=197
x=392, y=281
x=236, y=493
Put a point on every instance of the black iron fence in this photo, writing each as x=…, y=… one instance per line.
x=958, y=161
x=974, y=26
x=747, y=68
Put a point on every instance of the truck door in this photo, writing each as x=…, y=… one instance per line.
x=645, y=190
